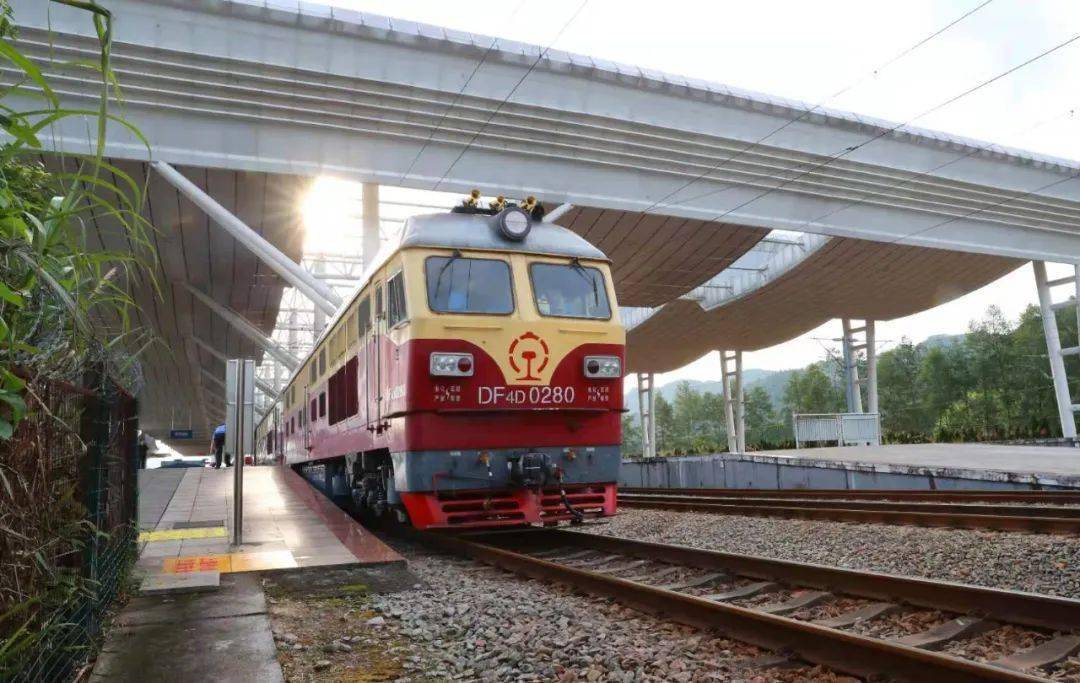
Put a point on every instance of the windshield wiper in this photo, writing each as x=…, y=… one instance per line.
x=583, y=272
x=442, y=271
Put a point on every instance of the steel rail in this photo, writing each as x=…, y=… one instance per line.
x=840, y=650
x=956, y=518
x=945, y=496
x=974, y=507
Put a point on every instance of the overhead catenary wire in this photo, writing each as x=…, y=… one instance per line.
x=847, y=88
x=543, y=53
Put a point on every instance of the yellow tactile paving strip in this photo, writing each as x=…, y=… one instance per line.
x=231, y=562
x=183, y=534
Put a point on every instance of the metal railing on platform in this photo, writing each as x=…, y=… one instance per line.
x=846, y=429
x=71, y=475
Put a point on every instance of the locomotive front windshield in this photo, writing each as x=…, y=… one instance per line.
x=456, y=284
x=569, y=291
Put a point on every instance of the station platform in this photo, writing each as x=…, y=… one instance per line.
x=286, y=524
x=201, y=611
x=1051, y=464
x=894, y=466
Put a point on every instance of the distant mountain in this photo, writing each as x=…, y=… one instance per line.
x=941, y=341
x=773, y=381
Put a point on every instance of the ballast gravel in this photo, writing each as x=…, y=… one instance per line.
x=477, y=623
x=1039, y=563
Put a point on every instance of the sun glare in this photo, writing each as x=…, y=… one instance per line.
x=331, y=212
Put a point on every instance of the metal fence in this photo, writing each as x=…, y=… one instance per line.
x=71, y=475
x=846, y=429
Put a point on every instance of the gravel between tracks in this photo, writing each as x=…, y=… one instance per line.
x=473, y=622
x=1039, y=563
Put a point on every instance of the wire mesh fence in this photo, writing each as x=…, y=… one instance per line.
x=68, y=508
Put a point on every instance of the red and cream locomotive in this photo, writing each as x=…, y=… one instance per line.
x=474, y=379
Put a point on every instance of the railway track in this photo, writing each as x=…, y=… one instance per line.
x=971, y=512
x=862, y=623
x=1040, y=497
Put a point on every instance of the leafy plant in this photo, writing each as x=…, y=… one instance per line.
x=60, y=301
x=65, y=317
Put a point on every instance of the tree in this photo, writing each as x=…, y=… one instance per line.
x=763, y=428
x=812, y=390
x=631, y=436
x=900, y=398
x=665, y=424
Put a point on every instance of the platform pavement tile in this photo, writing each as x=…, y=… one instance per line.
x=158, y=584
x=196, y=548
x=322, y=551
x=161, y=549
x=307, y=561
x=261, y=548
x=149, y=565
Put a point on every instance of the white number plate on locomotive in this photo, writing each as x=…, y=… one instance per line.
x=525, y=395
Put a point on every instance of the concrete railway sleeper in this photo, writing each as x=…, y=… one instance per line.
x=814, y=613
x=1035, y=519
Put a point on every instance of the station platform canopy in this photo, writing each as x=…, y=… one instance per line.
x=734, y=219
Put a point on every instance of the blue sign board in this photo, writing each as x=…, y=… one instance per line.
x=181, y=433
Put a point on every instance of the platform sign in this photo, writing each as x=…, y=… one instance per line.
x=239, y=430
x=177, y=434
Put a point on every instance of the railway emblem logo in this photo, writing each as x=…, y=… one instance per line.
x=529, y=355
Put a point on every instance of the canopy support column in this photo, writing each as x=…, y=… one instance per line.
x=647, y=410
x=851, y=369
x=871, y=368
x=370, y=223
x=734, y=403
x=260, y=384
x=319, y=292
x=245, y=328
x=1053, y=348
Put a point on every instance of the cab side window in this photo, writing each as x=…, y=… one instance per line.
x=395, y=300
x=364, y=317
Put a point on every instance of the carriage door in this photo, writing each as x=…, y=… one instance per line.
x=374, y=361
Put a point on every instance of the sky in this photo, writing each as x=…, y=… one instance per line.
x=811, y=51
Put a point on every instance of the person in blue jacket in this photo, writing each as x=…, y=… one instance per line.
x=217, y=444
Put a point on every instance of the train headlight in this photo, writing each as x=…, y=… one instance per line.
x=603, y=367
x=514, y=223
x=451, y=364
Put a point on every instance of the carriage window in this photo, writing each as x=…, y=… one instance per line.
x=569, y=291
x=468, y=285
x=364, y=317
x=395, y=300
x=322, y=361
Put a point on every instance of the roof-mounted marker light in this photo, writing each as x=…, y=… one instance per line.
x=514, y=223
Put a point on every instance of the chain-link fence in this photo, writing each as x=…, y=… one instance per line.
x=68, y=508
